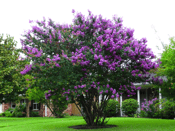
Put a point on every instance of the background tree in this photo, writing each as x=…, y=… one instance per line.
x=56, y=104
x=12, y=83
x=167, y=68
x=107, y=60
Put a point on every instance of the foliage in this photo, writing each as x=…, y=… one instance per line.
x=166, y=69
x=168, y=109
x=112, y=108
x=11, y=81
x=34, y=114
x=18, y=111
x=59, y=103
x=152, y=110
x=66, y=114
x=11, y=110
x=143, y=113
x=8, y=114
x=129, y=106
x=150, y=107
x=2, y=114
x=18, y=114
x=93, y=56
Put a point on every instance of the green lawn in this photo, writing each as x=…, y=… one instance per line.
x=61, y=124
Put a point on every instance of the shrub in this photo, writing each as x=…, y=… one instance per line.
x=129, y=107
x=168, y=111
x=137, y=115
x=112, y=108
x=143, y=114
x=11, y=110
x=22, y=108
x=152, y=110
x=7, y=114
x=34, y=114
x=2, y=114
x=149, y=108
x=17, y=114
x=66, y=114
x=18, y=111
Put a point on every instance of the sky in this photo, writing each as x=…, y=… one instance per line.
x=141, y=15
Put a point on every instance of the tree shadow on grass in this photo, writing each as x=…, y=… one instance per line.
x=91, y=127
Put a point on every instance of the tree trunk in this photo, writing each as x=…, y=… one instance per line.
x=27, y=108
x=93, y=112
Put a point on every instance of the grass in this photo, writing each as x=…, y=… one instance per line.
x=61, y=124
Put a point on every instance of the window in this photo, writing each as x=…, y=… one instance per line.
x=35, y=106
x=13, y=105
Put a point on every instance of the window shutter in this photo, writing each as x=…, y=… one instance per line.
x=32, y=104
x=39, y=106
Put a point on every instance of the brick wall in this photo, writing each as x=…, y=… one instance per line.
x=5, y=106
x=68, y=110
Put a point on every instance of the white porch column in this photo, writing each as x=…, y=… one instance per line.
x=121, y=105
x=100, y=98
x=116, y=106
x=138, y=99
x=160, y=97
x=45, y=110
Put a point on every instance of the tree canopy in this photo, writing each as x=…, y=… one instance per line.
x=12, y=83
x=91, y=57
x=167, y=69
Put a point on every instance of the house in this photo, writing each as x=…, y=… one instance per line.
x=42, y=109
x=144, y=93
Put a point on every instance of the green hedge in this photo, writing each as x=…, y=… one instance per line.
x=112, y=108
x=129, y=107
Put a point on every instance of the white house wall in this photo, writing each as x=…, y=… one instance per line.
x=0, y=108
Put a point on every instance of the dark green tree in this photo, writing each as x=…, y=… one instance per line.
x=12, y=83
x=167, y=69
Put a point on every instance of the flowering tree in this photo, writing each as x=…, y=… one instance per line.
x=91, y=57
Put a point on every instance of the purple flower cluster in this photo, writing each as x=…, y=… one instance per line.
x=146, y=105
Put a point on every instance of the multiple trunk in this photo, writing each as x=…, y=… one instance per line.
x=92, y=110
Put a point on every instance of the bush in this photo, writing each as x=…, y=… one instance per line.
x=7, y=114
x=18, y=111
x=143, y=114
x=11, y=110
x=153, y=110
x=2, y=114
x=168, y=111
x=18, y=114
x=66, y=114
x=129, y=107
x=112, y=108
x=34, y=114
x=22, y=108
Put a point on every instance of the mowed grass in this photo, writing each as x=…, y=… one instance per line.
x=61, y=124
